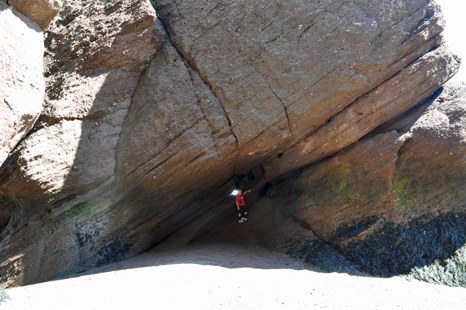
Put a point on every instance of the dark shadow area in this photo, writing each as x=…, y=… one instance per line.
x=269, y=239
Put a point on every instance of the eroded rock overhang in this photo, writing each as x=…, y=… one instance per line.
x=239, y=92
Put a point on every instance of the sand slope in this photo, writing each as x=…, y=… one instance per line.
x=227, y=277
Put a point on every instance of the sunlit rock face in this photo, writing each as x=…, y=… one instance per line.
x=149, y=123
x=22, y=83
x=41, y=12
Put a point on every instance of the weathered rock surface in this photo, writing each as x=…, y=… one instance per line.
x=269, y=95
x=89, y=89
x=22, y=83
x=96, y=52
x=395, y=200
x=450, y=271
x=298, y=52
x=40, y=11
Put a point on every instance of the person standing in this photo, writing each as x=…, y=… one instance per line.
x=241, y=205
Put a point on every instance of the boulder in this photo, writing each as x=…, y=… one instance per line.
x=40, y=11
x=283, y=69
x=95, y=54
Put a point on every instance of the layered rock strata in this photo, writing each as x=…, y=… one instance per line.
x=389, y=203
x=249, y=94
x=394, y=200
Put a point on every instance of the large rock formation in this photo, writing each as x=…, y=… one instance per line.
x=261, y=94
x=390, y=202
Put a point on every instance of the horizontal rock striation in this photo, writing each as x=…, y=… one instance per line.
x=394, y=200
x=146, y=129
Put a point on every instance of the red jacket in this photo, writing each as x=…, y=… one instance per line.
x=240, y=200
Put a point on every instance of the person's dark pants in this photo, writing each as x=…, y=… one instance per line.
x=242, y=211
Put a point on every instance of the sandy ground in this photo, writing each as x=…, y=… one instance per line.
x=227, y=277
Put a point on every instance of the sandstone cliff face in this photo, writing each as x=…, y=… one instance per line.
x=395, y=199
x=89, y=89
x=145, y=131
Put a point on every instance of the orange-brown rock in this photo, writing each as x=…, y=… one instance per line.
x=394, y=200
x=40, y=11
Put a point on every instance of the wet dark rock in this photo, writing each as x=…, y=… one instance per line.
x=396, y=248
x=321, y=255
x=112, y=252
